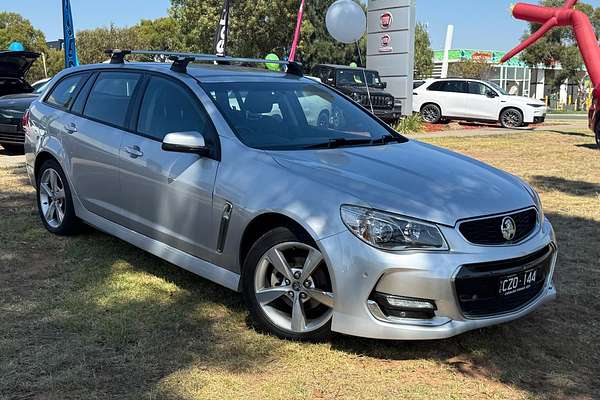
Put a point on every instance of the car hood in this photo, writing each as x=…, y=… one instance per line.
x=412, y=179
x=15, y=64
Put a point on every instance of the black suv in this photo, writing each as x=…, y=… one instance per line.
x=351, y=82
x=15, y=97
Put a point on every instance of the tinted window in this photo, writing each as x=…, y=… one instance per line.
x=418, y=84
x=167, y=107
x=294, y=115
x=449, y=86
x=65, y=92
x=110, y=97
x=478, y=88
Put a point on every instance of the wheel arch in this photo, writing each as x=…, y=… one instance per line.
x=262, y=224
x=432, y=103
x=519, y=109
x=40, y=159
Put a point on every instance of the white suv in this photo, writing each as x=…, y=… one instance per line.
x=468, y=99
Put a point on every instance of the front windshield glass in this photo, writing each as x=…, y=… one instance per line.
x=498, y=88
x=295, y=115
x=357, y=77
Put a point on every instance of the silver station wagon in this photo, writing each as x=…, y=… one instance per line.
x=279, y=187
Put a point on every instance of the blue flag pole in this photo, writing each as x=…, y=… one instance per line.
x=71, y=59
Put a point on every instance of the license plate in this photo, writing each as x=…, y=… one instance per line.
x=519, y=282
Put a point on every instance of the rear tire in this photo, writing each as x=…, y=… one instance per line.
x=290, y=297
x=511, y=118
x=14, y=149
x=55, y=204
x=431, y=113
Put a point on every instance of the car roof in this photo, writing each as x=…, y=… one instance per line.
x=202, y=71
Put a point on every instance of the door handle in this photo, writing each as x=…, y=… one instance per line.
x=134, y=151
x=71, y=127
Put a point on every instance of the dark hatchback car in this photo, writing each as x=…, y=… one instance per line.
x=351, y=82
x=15, y=97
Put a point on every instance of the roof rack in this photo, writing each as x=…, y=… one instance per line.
x=181, y=60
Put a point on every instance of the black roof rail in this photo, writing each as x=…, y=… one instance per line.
x=117, y=56
x=181, y=60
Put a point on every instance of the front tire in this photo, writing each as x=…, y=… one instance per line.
x=55, y=204
x=431, y=113
x=511, y=118
x=287, y=287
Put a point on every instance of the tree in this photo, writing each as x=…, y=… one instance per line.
x=92, y=43
x=261, y=27
x=423, y=53
x=560, y=47
x=15, y=28
x=473, y=69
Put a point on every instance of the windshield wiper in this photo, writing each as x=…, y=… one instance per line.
x=387, y=139
x=338, y=142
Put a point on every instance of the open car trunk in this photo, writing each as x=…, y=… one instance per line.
x=14, y=65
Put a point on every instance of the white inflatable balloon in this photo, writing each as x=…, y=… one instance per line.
x=346, y=21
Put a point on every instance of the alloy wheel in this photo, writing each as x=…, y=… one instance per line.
x=430, y=114
x=511, y=118
x=52, y=198
x=293, y=288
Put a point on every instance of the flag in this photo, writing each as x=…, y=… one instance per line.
x=71, y=59
x=221, y=35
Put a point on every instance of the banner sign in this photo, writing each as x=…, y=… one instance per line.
x=221, y=35
x=71, y=59
x=493, y=57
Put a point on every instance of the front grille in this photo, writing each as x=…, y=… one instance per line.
x=378, y=101
x=477, y=285
x=488, y=231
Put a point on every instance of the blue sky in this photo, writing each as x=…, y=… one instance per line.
x=479, y=24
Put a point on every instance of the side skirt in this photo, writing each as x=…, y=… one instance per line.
x=182, y=259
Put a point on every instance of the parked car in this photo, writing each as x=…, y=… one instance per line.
x=351, y=82
x=12, y=110
x=475, y=100
x=14, y=93
x=324, y=225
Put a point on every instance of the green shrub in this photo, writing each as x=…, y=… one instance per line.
x=410, y=124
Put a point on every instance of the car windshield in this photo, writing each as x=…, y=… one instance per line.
x=498, y=88
x=296, y=115
x=357, y=77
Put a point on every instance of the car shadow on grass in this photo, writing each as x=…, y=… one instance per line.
x=567, y=186
x=553, y=352
x=92, y=316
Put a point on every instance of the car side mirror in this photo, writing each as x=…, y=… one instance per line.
x=491, y=94
x=384, y=85
x=185, y=142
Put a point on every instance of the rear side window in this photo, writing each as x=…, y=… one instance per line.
x=167, y=107
x=111, y=96
x=449, y=86
x=63, y=95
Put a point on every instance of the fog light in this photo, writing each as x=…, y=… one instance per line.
x=404, y=307
x=403, y=302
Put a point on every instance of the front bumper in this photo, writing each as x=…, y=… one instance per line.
x=358, y=269
x=387, y=114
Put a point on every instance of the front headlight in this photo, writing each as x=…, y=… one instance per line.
x=536, y=105
x=392, y=232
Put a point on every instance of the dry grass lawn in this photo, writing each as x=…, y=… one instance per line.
x=93, y=317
